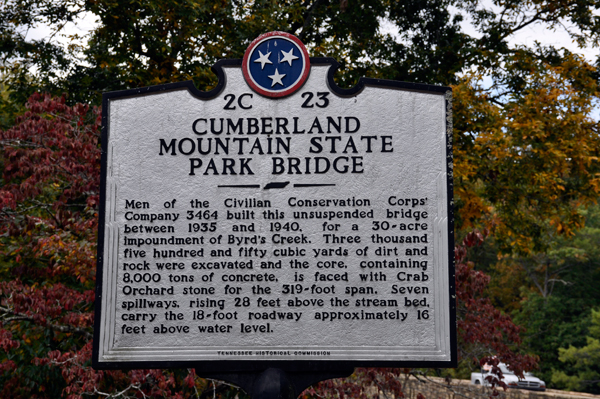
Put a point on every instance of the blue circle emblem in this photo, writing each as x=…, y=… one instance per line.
x=276, y=64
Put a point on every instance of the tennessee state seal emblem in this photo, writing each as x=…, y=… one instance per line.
x=276, y=64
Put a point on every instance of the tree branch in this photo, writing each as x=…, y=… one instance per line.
x=308, y=16
x=15, y=316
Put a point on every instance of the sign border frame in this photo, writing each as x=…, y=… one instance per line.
x=220, y=367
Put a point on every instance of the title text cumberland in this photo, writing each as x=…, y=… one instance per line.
x=332, y=135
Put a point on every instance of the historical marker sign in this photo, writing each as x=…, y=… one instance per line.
x=276, y=218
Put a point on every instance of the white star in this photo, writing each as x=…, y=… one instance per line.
x=276, y=78
x=288, y=57
x=263, y=59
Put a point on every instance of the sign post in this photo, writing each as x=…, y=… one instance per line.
x=276, y=222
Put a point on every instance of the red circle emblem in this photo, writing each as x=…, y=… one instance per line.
x=276, y=64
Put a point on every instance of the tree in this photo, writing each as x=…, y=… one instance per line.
x=48, y=199
x=143, y=43
x=495, y=335
x=520, y=182
x=561, y=320
x=526, y=165
x=584, y=360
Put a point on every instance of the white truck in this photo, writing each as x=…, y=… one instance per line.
x=529, y=381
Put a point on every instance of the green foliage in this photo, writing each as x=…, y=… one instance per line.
x=562, y=318
x=140, y=43
x=585, y=361
x=8, y=108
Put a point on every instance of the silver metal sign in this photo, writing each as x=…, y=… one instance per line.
x=312, y=224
